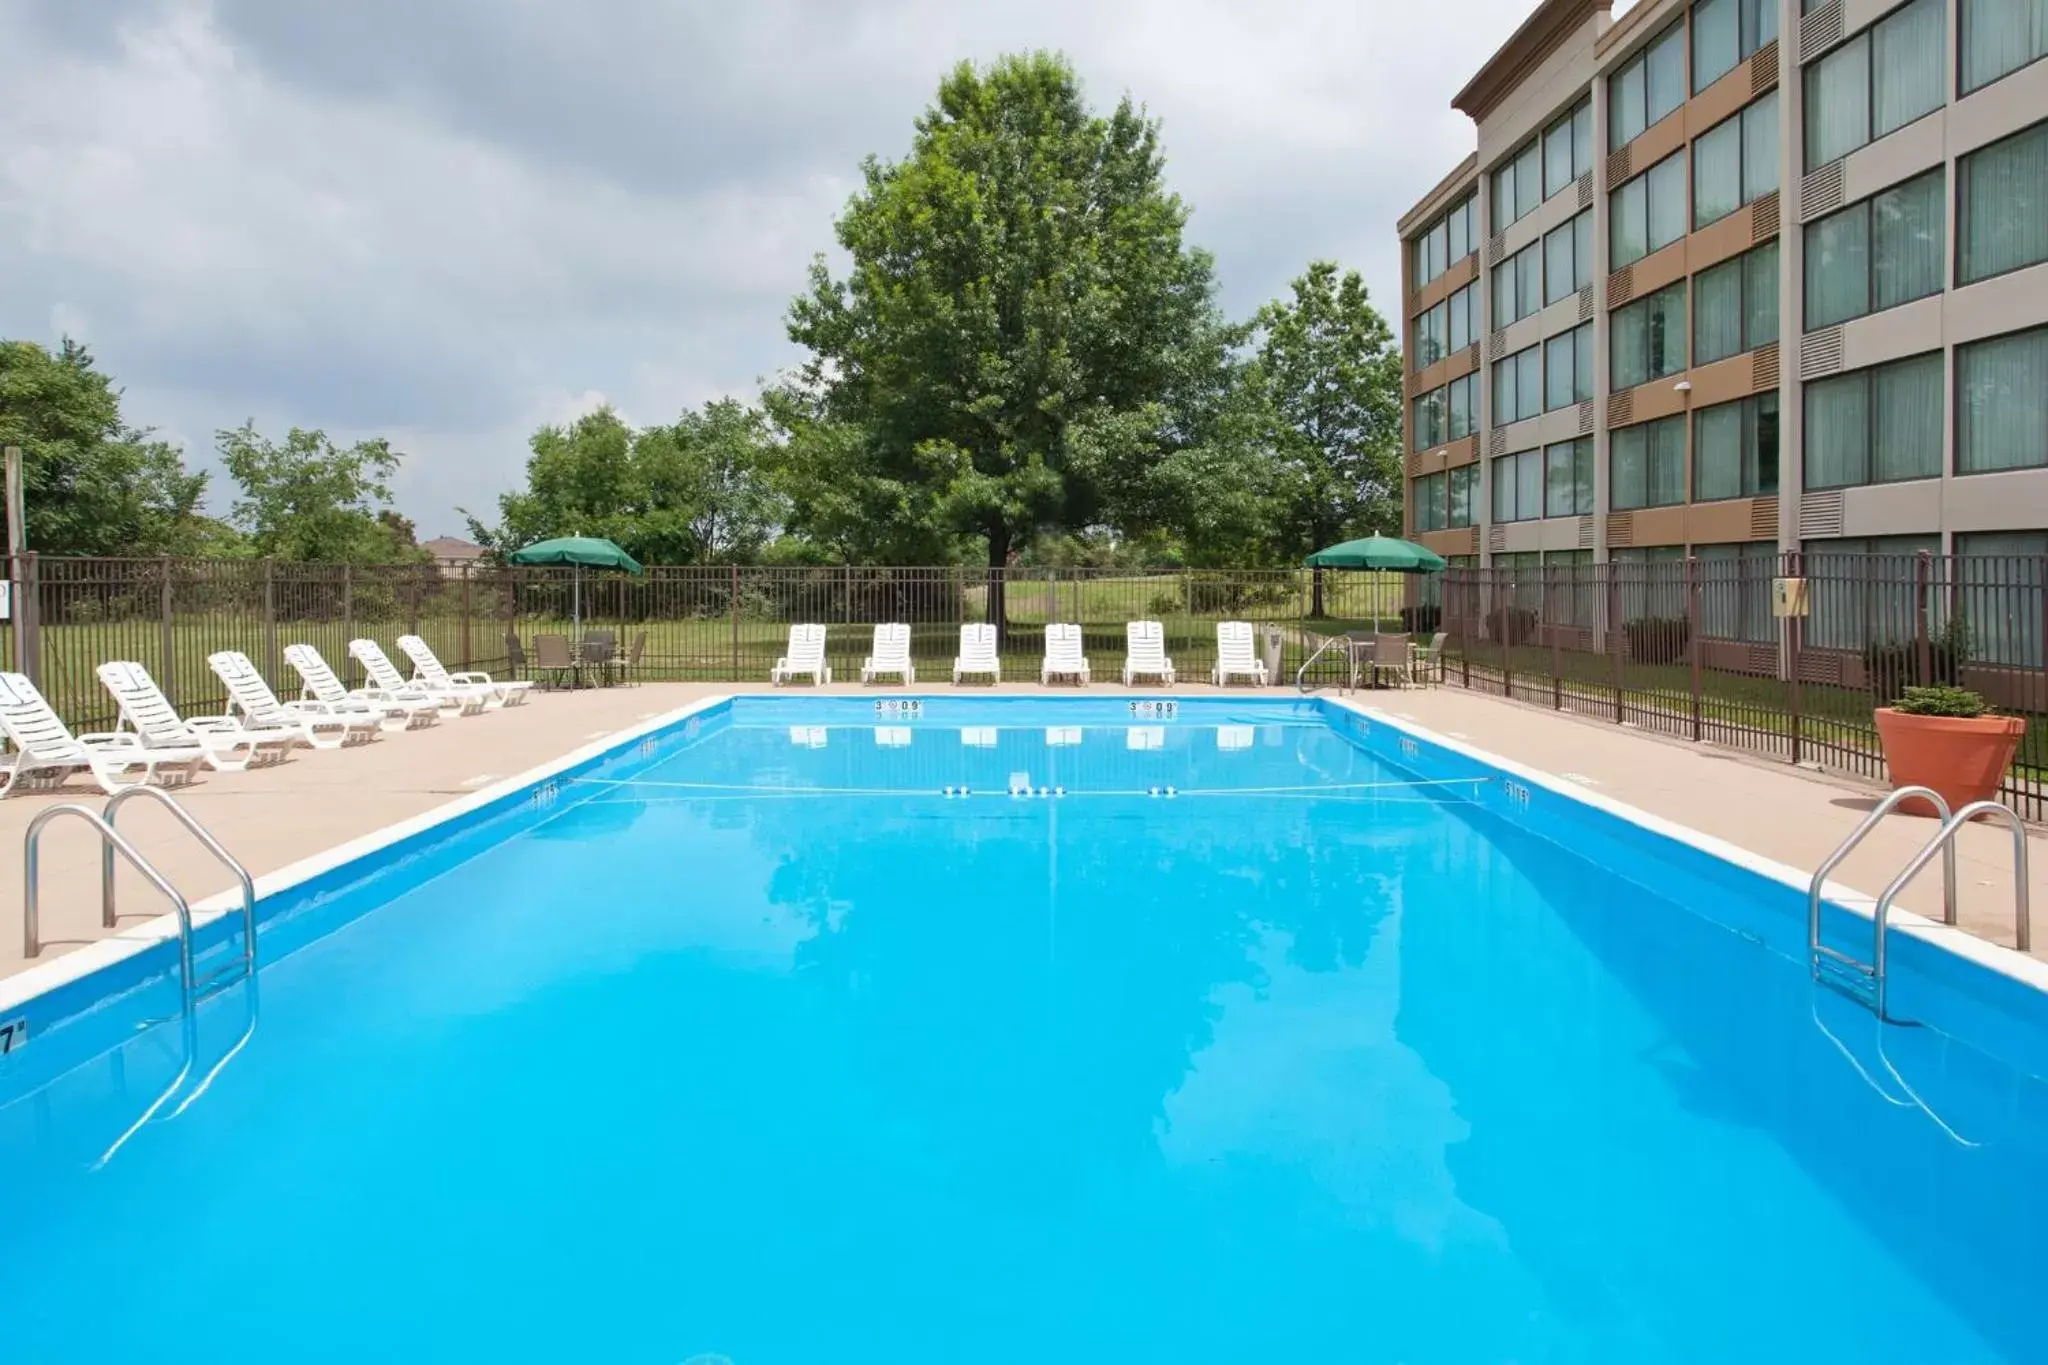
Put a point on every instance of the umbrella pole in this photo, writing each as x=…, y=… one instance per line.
x=576, y=603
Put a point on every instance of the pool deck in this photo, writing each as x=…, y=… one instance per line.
x=273, y=816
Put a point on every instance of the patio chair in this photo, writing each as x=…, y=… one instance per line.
x=515, y=656
x=429, y=672
x=319, y=683
x=1063, y=656
x=629, y=667
x=1234, y=656
x=1429, y=660
x=1391, y=654
x=553, y=659
x=44, y=744
x=1145, y=653
x=598, y=652
x=891, y=655
x=977, y=657
x=385, y=677
x=229, y=745
x=317, y=724
x=806, y=656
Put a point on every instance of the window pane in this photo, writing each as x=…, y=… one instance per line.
x=1759, y=24
x=1760, y=445
x=1906, y=419
x=1529, y=484
x=1459, y=511
x=1558, y=484
x=1906, y=230
x=1838, y=267
x=1838, y=432
x=1557, y=157
x=1666, y=182
x=1530, y=381
x=1717, y=170
x=1717, y=313
x=2002, y=578
x=1627, y=224
x=1582, y=362
x=1582, y=473
x=1528, y=179
x=1626, y=115
x=1627, y=470
x=1717, y=452
x=2002, y=403
x=1665, y=73
x=1504, y=488
x=1838, y=102
x=1667, y=462
x=1557, y=380
x=1715, y=40
x=1760, y=148
x=1582, y=139
x=1666, y=338
x=1582, y=248
x=1760, y=296
x=1560, y=254
x=1628, y=346
x=2005, y=206
x=1503, y=196
x=1503, y=393
x=1529, y=277
x=2000, y=36
x=1460, y=227
x=1907, y=70
x=1504, y=294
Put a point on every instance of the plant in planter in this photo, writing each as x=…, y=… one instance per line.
x=1946, y=738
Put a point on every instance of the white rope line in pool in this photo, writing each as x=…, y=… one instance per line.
x=1323, y=791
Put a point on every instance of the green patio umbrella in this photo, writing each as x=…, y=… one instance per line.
x=1379, y=552
x=583, y=552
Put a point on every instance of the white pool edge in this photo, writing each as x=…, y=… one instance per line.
x=24, y=986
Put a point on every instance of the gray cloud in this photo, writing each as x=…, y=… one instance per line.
x=449, y=220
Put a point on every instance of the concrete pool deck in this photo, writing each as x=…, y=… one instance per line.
x=271, y=817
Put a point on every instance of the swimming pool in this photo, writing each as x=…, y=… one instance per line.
x=1244, y=1030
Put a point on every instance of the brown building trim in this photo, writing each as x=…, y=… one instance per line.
x=1541, y=34
x=1445, y=194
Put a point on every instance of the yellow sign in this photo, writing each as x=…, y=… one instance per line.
x=1789, y=597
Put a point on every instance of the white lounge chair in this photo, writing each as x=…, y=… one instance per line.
x=891, y=655
x=1145, y=652
x=429, y=672
x=1234, y=656
x=385, y=677
x=806, y=656
x=1063, y=656
x=229, y=745
x=44, y=744
x=321, y=684
x=977, y=654
x=315, y=722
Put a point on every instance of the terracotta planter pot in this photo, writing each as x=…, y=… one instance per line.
x=1962, y=758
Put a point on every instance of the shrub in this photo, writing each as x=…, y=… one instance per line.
x=1894, y=665
x=1164, y=604
x=1511, y=625
x=1657, y=639
x=1941, y=701
x=1423, y=620
x=1225, y=594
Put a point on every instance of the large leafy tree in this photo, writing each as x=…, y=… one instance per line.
x=306, y=498
x=92, y=485
x=695, y=492
x=1018, y=278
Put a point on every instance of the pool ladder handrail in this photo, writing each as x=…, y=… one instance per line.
x=1300, y=674
x=1818, y=952
x=1944, y=842
x=111, y=842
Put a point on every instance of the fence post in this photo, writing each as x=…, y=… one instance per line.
x=1550, y=573
x=468, y=659
x=1506, y=608
x=270, y=614
x=1692, y=636
x=166, y=644
x=735, y=623
x=1923, y=656
x=348, y=617
x=1796, y=632
x=1615, y=638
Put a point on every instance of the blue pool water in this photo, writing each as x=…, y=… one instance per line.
x=757, y=1045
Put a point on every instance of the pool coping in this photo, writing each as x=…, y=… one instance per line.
x=19, y=990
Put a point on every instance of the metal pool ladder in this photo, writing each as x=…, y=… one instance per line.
x=112, y=842
x=1820, y=954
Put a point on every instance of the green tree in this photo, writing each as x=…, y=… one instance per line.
x=92, y=485
x=306, y=498
x=1330, y=374
x=1019, y=275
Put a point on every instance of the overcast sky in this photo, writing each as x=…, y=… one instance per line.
x=448, y=221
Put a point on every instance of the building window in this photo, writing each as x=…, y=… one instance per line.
x=1735, y=161
x=1647, y=338
x=1518, y=285
x=1735, y=305
x=1568, y=258
x=2002, y=590
x=1432, y=502
x=2000, y=37
x=1518, y=486
x=1725, y=32
x=1518, y=185
x=1878, y=81
x=1649, y=581
x=1461, y=404
x=1650, y=86
x=1464, y=494
x=1735, y=449
x=1646, y=465
x=1875, y=255
x=1879, y=425
x=1861, y=589
x=1647, y=212
x=1431, y=335
x=1428, y=412
x=1568, y=368
x=1735, y=591
x=1568, y=149
x=1464, y=325
x=1443, y=243
x=1518, y=386
x=2002, y=403
x=1568, y=478
x=2002, y=203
